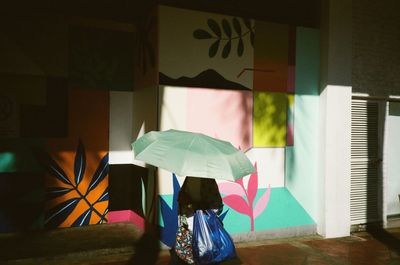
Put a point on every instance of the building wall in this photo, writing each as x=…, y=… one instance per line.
x=376, y=42
x=375, y=72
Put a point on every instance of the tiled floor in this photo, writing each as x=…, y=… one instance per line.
x=115, y=245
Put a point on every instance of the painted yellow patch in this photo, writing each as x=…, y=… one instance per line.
x=270, y=114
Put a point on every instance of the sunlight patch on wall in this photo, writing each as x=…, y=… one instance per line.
x=269, y=125
x=172, y=107
x=120, y=135
x=121, y=157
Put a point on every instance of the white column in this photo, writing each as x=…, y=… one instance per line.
x=335, y=119
x=335, y=127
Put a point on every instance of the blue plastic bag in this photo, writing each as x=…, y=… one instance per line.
x=211, y=242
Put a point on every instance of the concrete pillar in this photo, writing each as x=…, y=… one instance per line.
x=335, y=119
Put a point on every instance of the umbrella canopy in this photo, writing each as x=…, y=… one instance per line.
x=192, y=154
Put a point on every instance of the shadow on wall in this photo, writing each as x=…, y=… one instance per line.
x=374, y=178
x=21, y=201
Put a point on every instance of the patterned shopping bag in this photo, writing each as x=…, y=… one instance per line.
x=183, y=244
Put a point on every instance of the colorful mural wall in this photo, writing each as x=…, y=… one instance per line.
x=54, y=169
x=233, y=78
x=250, y=99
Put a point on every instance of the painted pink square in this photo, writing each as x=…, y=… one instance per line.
x=126, y=216
x=222, y=114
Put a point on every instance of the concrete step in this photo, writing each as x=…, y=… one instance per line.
x=70, y=245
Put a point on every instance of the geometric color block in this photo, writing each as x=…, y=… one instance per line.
x=101, y=59
x=121, y=126
x=269, y=125
x=126, y=216
x=16, y=154
x=302, y=175
x=270, y=166
x=25, y=89
x=223, y=114
x=34, y=46
x=271, y=57
x=200, y=49
x=125, y=187
x=21, y=201
x=291, y=59
x=307, y=61
x=51, y=118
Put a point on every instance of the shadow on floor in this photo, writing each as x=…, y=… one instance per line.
x=386, y=238
x=147, y=250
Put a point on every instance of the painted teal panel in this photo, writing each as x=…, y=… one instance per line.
x=301, y=167
x=7, y=162
x=282, y=211
x=17, y=154
x=307, y=61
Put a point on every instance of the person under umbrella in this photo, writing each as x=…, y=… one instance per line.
x=203, y=159
x=196, y=194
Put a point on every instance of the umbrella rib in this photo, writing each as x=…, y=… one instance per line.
x=186, y=152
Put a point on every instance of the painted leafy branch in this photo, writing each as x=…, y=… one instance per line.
x=73, y=192
x=170, y=216
x=242, y=200
x=224, y=35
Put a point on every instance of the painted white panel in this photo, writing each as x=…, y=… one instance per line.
x=120, y=127
x=270, y=166
x=180, y=54
x=393, y=160
x=173, y=113
x=173, y=108
x=165, y=186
